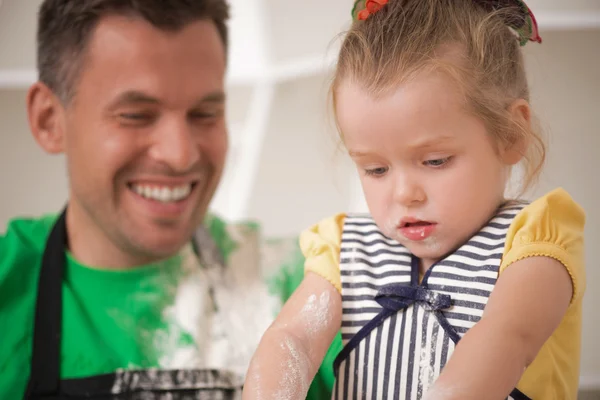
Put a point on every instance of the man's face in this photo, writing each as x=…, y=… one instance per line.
x=145, y=136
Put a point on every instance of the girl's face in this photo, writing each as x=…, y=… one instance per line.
x=429, y=169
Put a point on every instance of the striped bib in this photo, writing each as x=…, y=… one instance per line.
x=398, y=334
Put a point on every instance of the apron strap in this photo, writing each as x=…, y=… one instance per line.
x=45, y=360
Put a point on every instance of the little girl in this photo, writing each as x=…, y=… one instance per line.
x=447, y=290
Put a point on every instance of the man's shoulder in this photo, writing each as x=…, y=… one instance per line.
x=281, y=261
x=229, y=234
x=221, y=227
x=29, y=231
x=22, y=244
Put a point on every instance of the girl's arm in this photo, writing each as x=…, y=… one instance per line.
x=527, y=304
x=292, y=349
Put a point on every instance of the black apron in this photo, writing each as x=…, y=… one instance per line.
x=45, y=381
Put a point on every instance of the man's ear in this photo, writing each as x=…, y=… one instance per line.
x=45, y=115
x=521, y=114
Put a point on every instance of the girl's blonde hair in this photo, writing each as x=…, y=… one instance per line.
x=473, y=45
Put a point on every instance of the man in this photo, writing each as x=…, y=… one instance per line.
x=132, y=291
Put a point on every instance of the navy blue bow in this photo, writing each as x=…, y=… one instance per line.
x=394, y=298
x=397, y=297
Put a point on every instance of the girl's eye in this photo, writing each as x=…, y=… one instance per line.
x=376, y=171
x=438, y=162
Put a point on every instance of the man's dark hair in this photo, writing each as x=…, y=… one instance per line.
x=65, y=28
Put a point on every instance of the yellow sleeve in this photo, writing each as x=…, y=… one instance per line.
x=320, y=245
x=551, y=226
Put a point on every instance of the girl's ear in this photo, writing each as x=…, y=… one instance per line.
x=521, y=114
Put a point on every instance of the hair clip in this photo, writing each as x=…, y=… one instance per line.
x=364, y=8
x=530, y=30
x=525, y=26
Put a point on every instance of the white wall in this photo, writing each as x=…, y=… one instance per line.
x=33, y=182
x=303, y=174
x=551, y=5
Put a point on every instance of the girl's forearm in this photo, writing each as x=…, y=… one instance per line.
x=282, y=368
x=487, y=364
x=292, y=349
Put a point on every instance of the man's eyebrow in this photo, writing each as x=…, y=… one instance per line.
x=214, y=97
x=134, y=97
x=138, y=97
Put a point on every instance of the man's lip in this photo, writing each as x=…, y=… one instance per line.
x=168, y=182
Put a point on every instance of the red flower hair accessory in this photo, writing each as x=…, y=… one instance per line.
x=364, y=8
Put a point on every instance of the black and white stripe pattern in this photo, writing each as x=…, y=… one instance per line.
x=402, y=356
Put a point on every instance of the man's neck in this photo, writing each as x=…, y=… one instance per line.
x=91, y=246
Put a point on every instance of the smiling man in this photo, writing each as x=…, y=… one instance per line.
x=133, y=291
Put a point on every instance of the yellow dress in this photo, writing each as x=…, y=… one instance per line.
x=551, y=226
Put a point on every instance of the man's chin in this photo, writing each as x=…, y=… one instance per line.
x=158, y=238
x=160, y=242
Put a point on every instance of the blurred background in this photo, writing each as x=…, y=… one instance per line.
x=286, y=169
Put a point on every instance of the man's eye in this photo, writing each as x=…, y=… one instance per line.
x=376, y=171
x=203, y=115
x=210, y=114
x=136, y=116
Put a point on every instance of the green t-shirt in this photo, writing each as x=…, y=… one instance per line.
x=111, y=319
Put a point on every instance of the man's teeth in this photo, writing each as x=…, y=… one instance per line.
x=163, y=193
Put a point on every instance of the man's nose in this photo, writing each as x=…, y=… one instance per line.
x=177, y=146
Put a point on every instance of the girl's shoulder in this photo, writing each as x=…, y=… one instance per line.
x=554, y=218
x=550, y=226
x=320, y=245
